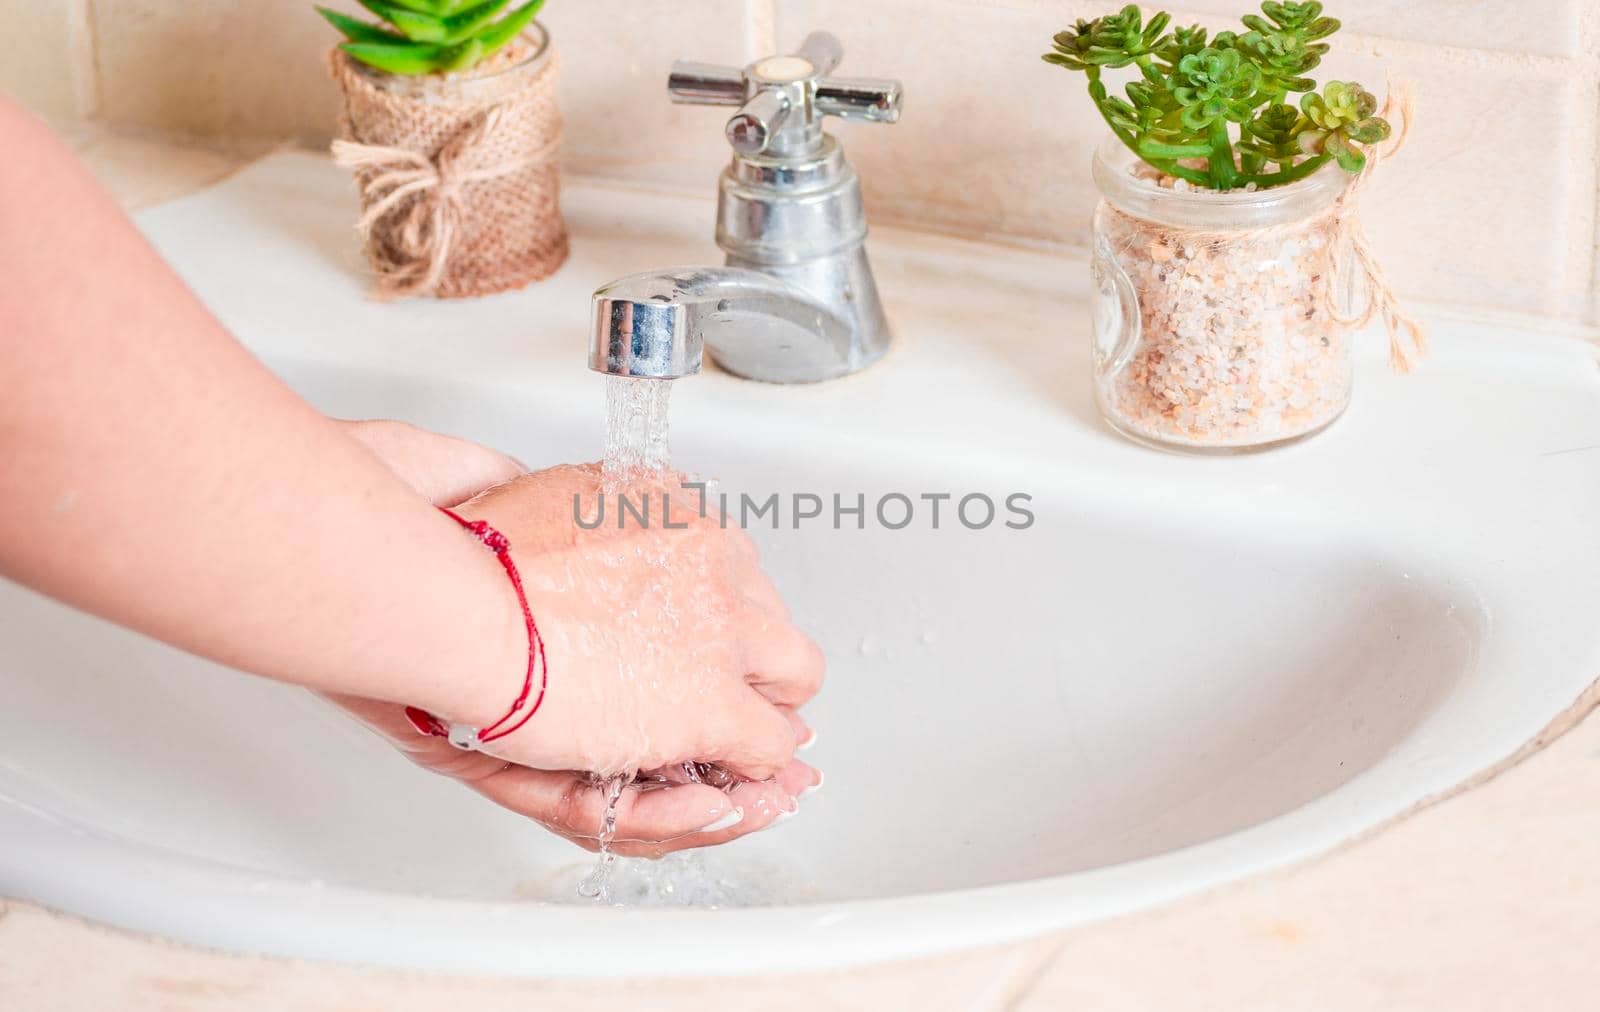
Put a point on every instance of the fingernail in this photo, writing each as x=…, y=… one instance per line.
x=426, y=723
x=814, y=788
x=811, y=739
x=786, y=814
x=728, y=821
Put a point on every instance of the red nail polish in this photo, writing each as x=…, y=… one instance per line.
x=426, y=723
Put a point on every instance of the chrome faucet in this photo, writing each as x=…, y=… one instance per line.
x=796, y=302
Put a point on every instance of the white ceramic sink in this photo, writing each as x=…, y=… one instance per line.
x=1184, y=672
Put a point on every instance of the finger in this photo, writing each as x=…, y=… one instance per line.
x=760, y=741
x=675, y=773
x=588, y=843
x=804, y=736
x=763, y=805
x=798, y=779
x=466, y=469
x=785, y=665
x=443, y=469
x=571, y=805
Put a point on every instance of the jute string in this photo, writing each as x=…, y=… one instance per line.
x=1408, y=339
x=458, y=198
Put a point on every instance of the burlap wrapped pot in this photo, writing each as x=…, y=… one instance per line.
x=459, y=184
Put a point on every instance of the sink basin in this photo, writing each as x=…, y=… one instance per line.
x=1182, y=672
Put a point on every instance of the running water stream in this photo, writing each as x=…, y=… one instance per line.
x=636, y=430
x=636, y=444
x=597, y=884
x=636, y=450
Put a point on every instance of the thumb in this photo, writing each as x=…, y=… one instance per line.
x=442, y=469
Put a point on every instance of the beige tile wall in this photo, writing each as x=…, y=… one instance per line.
x=1493, y=203
x=993, y=140
x=45, y=56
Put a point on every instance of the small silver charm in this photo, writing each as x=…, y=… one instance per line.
x=464, y=737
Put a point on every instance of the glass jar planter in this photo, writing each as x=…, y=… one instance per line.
x=503, y=74
x=1216, y=316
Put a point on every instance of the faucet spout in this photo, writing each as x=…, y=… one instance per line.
x=656, y=325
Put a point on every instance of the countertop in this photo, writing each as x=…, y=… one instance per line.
x=1488, y=898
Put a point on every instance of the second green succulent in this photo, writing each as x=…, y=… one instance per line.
x=430, y=36
x=1216, y=111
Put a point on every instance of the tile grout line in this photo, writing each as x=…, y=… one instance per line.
x=1541, y=322
x=760, y=28
x=1468, y=55
x=1589, y=35
x=1072, y=9
x=1587, y=150
x=84, y=57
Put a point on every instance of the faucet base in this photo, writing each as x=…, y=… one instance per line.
x=842, y=285
x=800, y=221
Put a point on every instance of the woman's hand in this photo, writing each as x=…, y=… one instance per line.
x=665, y=646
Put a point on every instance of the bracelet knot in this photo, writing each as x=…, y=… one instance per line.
x=492, y=539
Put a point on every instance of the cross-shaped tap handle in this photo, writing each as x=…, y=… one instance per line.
x=782, y=99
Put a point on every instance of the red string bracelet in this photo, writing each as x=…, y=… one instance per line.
x=461, y=735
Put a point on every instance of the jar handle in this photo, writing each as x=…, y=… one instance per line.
x=1117, y=322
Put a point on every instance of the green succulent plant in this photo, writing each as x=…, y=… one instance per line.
x=1284, y=44
x=1184, y=40
x=1272, y=136
x=1224, y=100
x=1115, y=40
x=430, y=36
x=1341, y=118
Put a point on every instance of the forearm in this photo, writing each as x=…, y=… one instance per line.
x=154, y=473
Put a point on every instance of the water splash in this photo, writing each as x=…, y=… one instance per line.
x=716, y=879
x=597, y=886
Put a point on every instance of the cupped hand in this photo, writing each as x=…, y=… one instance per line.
x=652, y=818
x=666, y=646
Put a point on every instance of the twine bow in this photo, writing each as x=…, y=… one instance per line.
x=418, y=200
x=1381, y=301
